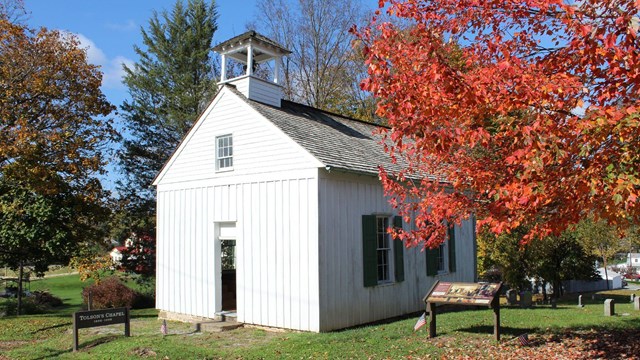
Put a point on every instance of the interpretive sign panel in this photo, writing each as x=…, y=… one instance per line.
x=463, y=293
x=479, y=294
x=93, y=318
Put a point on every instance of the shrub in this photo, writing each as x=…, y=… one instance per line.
x=45, y=298
x=29, y=307
x=108, y=293
x=144, y=301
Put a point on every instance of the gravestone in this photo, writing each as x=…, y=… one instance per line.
x=633, y=297
x=636, y=304
x=525, y=299
x=609, y=307
x=512, y=297
x=580, y=304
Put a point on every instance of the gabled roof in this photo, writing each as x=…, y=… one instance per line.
x=250, y=36
x=338, y=142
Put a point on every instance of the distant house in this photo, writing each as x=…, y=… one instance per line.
x=274, y=210
x=633, y=260
x=116, y=254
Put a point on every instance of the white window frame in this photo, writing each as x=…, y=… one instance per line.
x=384, y=238
x=225, y=157
x=443, y=257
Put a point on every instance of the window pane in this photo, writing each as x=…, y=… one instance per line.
x=224, y=151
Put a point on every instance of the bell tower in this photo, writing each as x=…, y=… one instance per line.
x=252, y=49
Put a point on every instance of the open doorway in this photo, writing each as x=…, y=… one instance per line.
x=227, y=238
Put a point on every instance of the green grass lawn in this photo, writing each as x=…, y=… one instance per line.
x=460, y=333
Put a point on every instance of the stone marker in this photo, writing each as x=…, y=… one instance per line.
x=512, y=297
x=580, y=304
x=636, y=304
x=633, y=297
x=609, y=307
x=525, y=299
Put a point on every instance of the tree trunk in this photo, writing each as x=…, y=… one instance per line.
x=606, y=274
x=20, y=274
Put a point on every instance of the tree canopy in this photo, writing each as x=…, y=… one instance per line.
x=324, y=69
x=536, y=124
x=170, y=85
x=53, y=136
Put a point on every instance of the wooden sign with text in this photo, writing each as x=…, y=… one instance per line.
x=474, y=294
x=93, y=318
x=463, y=293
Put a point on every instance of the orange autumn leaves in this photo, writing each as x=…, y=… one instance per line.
x=52, y=113
x=522, y=112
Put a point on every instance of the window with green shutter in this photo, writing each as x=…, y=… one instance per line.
x=452, y=249
x=383, y=257
x=398, y=251
x=443, y=258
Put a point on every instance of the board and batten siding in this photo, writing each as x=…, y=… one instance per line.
x=276, y=250
x=344, y=301
x=271, y=198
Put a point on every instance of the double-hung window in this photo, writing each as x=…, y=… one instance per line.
x=224, y=152
x=383, y=249
x=383, y=257
x=442, y=259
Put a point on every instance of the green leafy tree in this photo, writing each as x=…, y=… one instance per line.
x=599, y=239
x=170, y=85
x=53, y=137
x=505, y=253
x=559, y=258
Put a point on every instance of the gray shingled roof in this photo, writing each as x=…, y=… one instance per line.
x=250, y=35
x=336, y=141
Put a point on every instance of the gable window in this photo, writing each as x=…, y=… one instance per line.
x=383, y=257
x=224, y=152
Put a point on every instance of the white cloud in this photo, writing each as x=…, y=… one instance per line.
x=111, y=68
x=94, y=54
x=114, y=72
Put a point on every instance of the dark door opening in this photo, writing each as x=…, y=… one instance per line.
x=228, y=251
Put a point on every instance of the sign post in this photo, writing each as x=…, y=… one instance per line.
x=473, y=294
x=94, y=318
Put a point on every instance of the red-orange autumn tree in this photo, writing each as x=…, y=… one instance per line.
x=522, y=112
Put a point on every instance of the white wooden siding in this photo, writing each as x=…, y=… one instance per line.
x=276, y=248
x=344, y=301
x=259, y=147
x=259, y=90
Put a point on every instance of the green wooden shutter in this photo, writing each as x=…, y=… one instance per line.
x=398, y=251
x=369, y=253
x=432, y=261
x=452, y=249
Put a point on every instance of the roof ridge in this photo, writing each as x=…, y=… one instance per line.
x=337, y=114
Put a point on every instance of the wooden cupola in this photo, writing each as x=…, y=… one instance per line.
x=251, y=49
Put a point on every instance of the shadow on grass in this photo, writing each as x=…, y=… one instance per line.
x=82, y=346
x=505, y=331
x=51, y=327
x=141, y=316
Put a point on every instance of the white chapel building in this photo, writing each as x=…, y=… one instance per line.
x=273, y=210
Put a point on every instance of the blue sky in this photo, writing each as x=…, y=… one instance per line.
x=110, y=28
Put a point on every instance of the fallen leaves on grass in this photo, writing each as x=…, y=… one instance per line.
x=583, y=344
